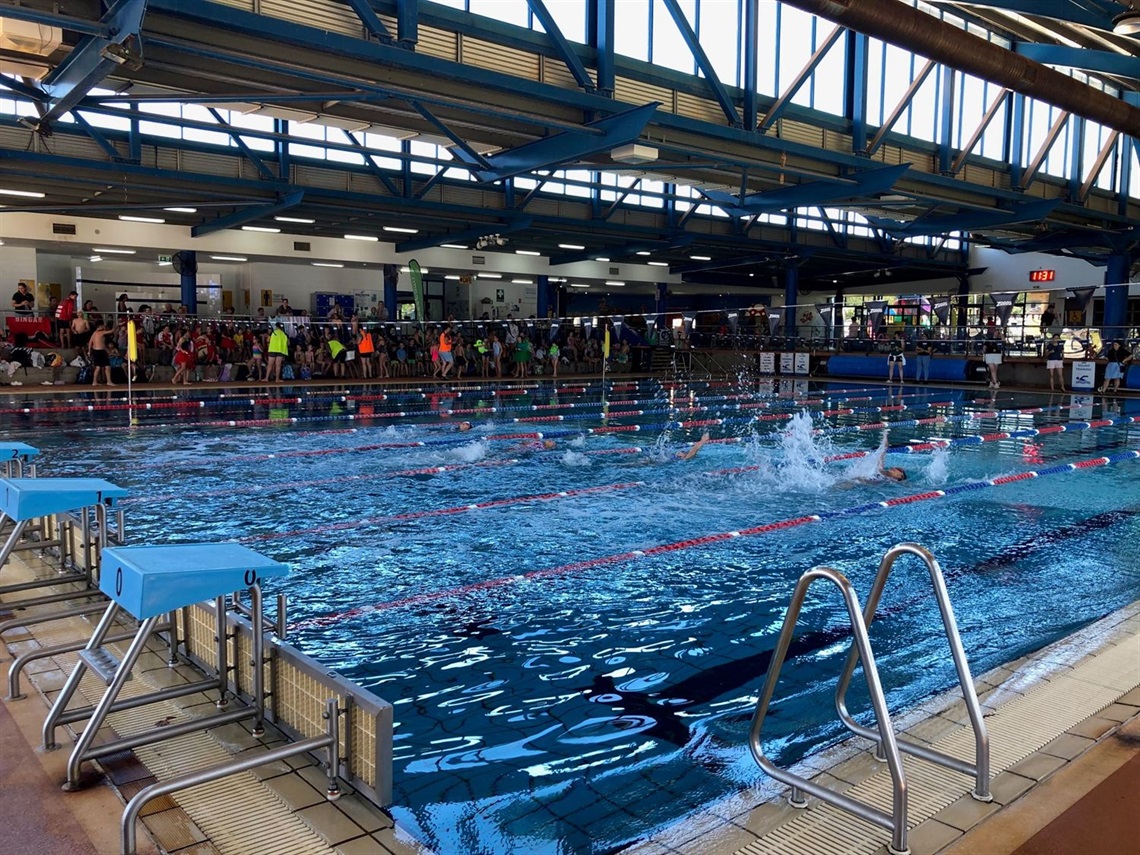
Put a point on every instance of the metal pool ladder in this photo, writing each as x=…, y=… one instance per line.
x=887, y=745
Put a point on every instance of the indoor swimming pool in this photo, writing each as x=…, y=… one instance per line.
x=573, y=622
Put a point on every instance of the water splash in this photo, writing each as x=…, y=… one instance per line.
x=938, y=469
x=867, y=468
x=801, y=465
x=575, y=459
x=578, y=441
x=472, y=452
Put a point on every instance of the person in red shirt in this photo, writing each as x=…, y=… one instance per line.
x=64, y=313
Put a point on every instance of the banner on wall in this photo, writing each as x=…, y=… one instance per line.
x=689, y=323
x=650, y=323
x=827, y=312
x=787, y=362
x=767, y=363
x=941, y=308
x=1076, y=303
x=618, y=321
x=1003, y=305
x=554, y=325
x=733, y=322
x=875, y=311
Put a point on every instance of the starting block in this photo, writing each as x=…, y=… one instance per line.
x=16, y=456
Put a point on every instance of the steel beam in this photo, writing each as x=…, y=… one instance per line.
x=704, y=63
x=370, y=164
x=600, y=31
x=256, y=212
x=1065, y=11
x=901, y=106
x=946, y=132
x=966, y=221
x=810, y=193
x=463, y=151
x=93, y=59
x=1081, y=57
x=618, y=129
x=408, y=21
x=751, y=63
x=371, y=20
x=856, y=88
x=805, y=73
x=1098, y=166
x=1043, y=152
x=960, y=161
x=249, y=153
x=565, y=51
x=96, y=135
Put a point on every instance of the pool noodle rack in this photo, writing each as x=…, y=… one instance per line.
x=887, y=745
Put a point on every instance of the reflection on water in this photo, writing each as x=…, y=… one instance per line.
x=551, y=700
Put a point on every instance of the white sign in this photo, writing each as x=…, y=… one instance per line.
x=767, y=363
x=1081, y=409
x=787, y=363
x=803, y=363
x=1084, y=375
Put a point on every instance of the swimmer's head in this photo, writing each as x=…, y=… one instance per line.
x=895, y=473
x=463, y=426
x=548, y=444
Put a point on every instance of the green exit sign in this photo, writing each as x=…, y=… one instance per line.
x=164, y=259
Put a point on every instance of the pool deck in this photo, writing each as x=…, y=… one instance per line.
x=1070, y=784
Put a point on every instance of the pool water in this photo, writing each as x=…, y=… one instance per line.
x=561, y=683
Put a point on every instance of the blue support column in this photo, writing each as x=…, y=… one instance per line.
x=1076, y=156
x=1116, y=296
x=190, y=281
x=1015, y=135
x=281, y=128
x=543, y=296
x=751, y=63
x=134, y=141
x=791, y=298
x=391, y=296
x=600, y=32
x=659, y=298
x=408, y=22
x=1127, y=144
x=946, y=132
x=856, y=85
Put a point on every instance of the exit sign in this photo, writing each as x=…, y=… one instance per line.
x=1042, y=275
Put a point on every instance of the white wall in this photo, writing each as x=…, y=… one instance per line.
x=16, y=263
x=296, y=282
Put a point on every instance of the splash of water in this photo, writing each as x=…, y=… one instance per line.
x=472, y=452
x=867, y=468
x=938, y=469
x=578, y=441
x=574, y=459
x=801, y=466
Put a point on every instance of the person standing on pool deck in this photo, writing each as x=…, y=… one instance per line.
x=992, y=359
x=923, y=351
x=895, y=358
x=278, y=353
x=1118, y=356
x=446, y=357
x=100, y=359
x=1055, y=362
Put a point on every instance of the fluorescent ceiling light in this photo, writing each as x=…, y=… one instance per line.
x=96, y=258
x=452, y=276
x=658, y=263
x=361, y=237
x=109, y=251
x=522, y=281
x=409, y=270
x=30, y=194
x=490, y=275
x=327, y=264
x=615, y=284
x=701, y=257
x=601, y=258
x=526, y=252
x=644, y=252
x=129, y=219
x=266, y=229
x=453, y=246
x=401, y=230
x=304, y=220
x=579, y=285
x=570, y=246
x=182, y=210
x=229, y=258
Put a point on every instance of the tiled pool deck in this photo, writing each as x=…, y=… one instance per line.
x=1050, y=714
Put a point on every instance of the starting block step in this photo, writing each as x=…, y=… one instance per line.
x=102, y=663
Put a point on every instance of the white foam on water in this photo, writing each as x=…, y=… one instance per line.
x=801, y=465
x=471, y=452
x=938, y=469
x=574, y=459
x=578, y=441
x=867, y=468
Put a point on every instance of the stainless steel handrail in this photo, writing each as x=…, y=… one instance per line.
x=895, y=822
x=980, y=768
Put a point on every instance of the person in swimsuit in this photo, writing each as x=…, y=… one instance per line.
x=692, y=450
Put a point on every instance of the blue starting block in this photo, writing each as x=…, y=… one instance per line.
x=150, y=582
x=17, y=455
x=23, y=500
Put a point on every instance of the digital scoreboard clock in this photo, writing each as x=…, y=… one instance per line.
x=1042, y=275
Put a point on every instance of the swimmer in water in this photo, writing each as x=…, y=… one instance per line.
x=463, y=426
x=890, y=473
x=692, y=450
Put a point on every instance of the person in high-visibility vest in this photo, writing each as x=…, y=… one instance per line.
x=278, y=353
x=338, y=353
x=366, y=348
